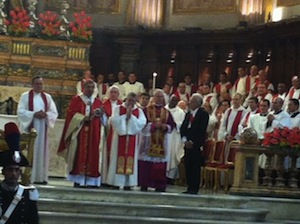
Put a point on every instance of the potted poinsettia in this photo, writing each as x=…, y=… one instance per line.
x=49, y=25
x=81, y=28
x=19, y=22
x=283, y=139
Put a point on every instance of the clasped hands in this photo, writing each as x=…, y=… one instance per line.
x=159, y=125
x=40, y=114
x=188, y=144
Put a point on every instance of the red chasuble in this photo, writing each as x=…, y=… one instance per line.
x=126, y=149
x=87, y=154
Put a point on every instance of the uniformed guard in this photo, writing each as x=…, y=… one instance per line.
x=18, y=203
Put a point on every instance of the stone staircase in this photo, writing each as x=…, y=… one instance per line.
x=64, y=205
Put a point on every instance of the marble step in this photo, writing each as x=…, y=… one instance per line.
x=154, y=210
x=75, y=218
x=138, y=197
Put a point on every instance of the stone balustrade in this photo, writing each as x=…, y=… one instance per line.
x=279, y=177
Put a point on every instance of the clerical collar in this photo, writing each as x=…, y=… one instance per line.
x=295, y=114
x=278, y=112
x=121, y=83
x=132, y=83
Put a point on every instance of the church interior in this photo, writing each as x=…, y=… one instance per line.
x=168, y=38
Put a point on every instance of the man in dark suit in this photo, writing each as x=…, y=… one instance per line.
x=193, y=134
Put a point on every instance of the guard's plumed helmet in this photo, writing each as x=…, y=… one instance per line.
x=13, y=156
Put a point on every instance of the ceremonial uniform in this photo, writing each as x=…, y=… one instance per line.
x=25, y=211
x=18, y=203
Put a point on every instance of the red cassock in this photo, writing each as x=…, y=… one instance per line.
x=87, y=153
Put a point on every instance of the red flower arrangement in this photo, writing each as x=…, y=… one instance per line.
x=18, y=24
x=81, y=28
x=283, y=138
x=49, y=23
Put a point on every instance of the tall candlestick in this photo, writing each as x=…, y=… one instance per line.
x=154, y=81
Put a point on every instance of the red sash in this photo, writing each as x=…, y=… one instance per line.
x=177, y=94
x=208, y=99
x=236, y=121
x=126, y=149
x=31, y=104
x=247, y=117
x=104, y=88
x=248, y=84
x=218, y=88
x=291, y=93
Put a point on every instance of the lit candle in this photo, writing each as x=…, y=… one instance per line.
x=154, y=81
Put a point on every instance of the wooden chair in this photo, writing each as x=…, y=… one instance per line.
x=207, y=153
x=26, y=146
x=210, y=167
x=228, y=167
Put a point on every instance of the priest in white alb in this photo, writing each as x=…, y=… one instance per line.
x=175, y=151
x=127, y=121
x=36, y=109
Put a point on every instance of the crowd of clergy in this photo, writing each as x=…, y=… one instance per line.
x=251, y=101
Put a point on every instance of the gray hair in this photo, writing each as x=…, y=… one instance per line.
x=114, y=87
x=198, y=97
x=131, y=94
x=157, y=91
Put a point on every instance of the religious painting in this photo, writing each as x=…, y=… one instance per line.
x=90, y=6
x=287, y=2
x=204, y=6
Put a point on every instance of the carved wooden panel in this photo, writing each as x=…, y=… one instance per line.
x=60, y=63
x=90, y=6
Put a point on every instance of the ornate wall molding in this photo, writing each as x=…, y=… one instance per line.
x=204, y=6
x=287, y=2
x=95, y=6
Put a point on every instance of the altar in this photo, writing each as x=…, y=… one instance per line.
x=57, y=165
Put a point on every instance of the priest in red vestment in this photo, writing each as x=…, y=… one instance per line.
x=80, y=140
